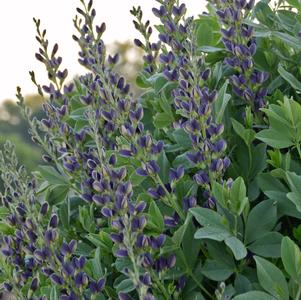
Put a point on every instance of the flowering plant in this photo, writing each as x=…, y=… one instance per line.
x=189, y=191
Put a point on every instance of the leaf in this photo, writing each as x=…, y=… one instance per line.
x=271, y=278
x=288, y=39
x=208, y=217
x=216, y=270
x=261, y=220
x=248, y=135
x=237, y=247
x=53, y=293
x=290, y=78
x=268, y=245
x=182, y=138
x=6, y=229
x=211, y=49
x=101, y=240
x=294, y=3
x=212, y=233
x=125, y=286
x=254, y=295
x=51, y=175
x=155, y=219
x=86, y=220
x=274, y=138
x=57, y=194
x=3, y=212
x=96, y=267
x=264, y=14
x=291, y=258
x=221, y=102
x=238, y=199
x=162, y=120
x=204, y=34
x=164, y=165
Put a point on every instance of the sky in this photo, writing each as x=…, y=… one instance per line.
x=17, y=33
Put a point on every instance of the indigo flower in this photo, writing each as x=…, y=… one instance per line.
x=247, y=82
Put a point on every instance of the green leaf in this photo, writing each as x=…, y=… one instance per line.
x=208, y=217
x=212, y=233
x=101, y=240
x=254, y=295
x=96, y=267
x=261, y=220
x=288, y=39
x=238, y=199
x=295, y=185
x=57, y=194
x=271, y=278
x=163, y=120
x=291, y=258
x=155, y=219
x=53, y=294
x=274, y=138
x=51, y=175
x=294, y=3
x=268, y=245
x=86, y=220
x=211, y=49
x=248, y=135
x=221, y=102
x=290, y=78
x=6, y=229
x=204, y=34
x=125, y=286
x=182, y=138
x=216, y=270
x=164, y=165
x=264, y=14
x=237, y=247
x=3, y=212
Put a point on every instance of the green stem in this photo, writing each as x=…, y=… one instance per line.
x=235, y=225
x=298, y=294
x=160, y=285
x=299, y=150
x=173, y=204
x=199, y=284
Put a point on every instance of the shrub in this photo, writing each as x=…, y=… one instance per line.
x=191, y=191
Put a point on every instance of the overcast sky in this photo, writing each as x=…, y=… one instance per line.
x=17, y=32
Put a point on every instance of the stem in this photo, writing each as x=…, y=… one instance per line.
x=235, y=225
x=198, y=283
x=299, y=150
x=190, y=273
x=173, y=204
x=298, y=294
x=160, y=285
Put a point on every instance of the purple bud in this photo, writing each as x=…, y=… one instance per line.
x=44, y=208
x=107, y=212
x=121, y=253
x=54, y=221
x=145, y=279
x=171, y=261
x=56, y=279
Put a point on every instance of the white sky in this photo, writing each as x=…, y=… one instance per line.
x=17, y=34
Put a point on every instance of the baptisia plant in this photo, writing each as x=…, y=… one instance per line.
x=137, y=198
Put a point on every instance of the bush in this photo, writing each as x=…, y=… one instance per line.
x=191, y=191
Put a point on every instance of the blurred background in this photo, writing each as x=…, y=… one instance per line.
x=18, y=47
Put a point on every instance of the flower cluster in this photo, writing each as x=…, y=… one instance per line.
x=193, y=100
x=239, y=41
x=30, y=247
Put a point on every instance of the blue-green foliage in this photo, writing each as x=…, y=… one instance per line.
x=191, y=191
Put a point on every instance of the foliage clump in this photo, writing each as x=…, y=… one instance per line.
x=190, y=190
